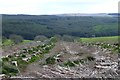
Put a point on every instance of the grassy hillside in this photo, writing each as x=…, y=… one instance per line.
x=8, y=42
x=101, y=39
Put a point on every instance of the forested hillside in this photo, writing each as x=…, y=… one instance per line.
x=30, y=26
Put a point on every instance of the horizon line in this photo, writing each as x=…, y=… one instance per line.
x=58, y=13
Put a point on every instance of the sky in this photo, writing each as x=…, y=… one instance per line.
x=37, y=7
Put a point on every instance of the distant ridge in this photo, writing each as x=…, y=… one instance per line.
x=29, y=26
x=73, y=14
x=94, y=14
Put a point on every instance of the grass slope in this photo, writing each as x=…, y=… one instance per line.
x=101, y=39
x=8, y=42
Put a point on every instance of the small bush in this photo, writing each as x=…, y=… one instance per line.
x=23, y=55
x=50, y=60
x=9, y=69
x=33, y=59
x=30, y=51
x=76, y=62
x=69, y=63
x=5, y=59
x=16, y=38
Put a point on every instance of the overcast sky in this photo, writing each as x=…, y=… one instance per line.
x=38, y=7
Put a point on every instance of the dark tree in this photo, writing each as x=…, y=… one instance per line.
x=16, y=38
x=40, y=38
x=68, y=38
x=58, y=37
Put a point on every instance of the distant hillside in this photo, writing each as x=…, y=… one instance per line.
x=29, y=26
x=95, y=15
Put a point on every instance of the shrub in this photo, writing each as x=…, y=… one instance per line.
x=53, y=39
x=50, y=60
x=23, y=55
x=69, y=63
x=33, y=59
x=9, y=69
x=76, y=62
x=5, y=59
x=30, y=51
x=40, y=38
x=16, y=38
x=68, y=38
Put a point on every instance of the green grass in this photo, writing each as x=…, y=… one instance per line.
x=69, y=63
x=26, y=41
x=9, y=69
x=101, y=39
x=8, y=42
x=50, y=60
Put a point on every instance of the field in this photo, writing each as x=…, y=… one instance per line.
x=54, y=58
x=101, y=39
x=8, y=42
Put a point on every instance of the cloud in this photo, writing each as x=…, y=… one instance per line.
x=57, y=6
x=106, y=7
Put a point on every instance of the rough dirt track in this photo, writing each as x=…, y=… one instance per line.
x=74, y=51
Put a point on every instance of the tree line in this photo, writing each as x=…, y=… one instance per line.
x=16, y=39
x=30, y=26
